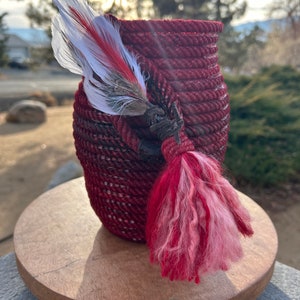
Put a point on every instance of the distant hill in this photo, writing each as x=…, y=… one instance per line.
x=36, y=37
x=266, y=25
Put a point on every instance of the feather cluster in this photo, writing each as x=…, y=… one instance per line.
x=90, y=45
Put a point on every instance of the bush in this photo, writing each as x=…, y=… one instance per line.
x=264, y=143
x=45, y=97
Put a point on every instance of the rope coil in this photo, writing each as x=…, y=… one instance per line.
x=180, y=59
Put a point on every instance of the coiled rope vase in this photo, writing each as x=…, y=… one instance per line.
x=127, y=161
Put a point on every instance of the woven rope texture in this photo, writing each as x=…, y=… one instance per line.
x=179, y=60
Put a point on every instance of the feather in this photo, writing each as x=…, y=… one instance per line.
x=91, y=46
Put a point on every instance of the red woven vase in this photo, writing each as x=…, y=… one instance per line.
x=179, y=60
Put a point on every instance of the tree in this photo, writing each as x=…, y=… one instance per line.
x=283, y=42
x=130, y=9
x=221, y=10
x=40, y=15
x=227, y=10
x=290, y=9
x=237, y=47
x=3, y=40
x=282, y=48
x=232, y=45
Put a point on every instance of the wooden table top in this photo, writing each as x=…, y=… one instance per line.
x=63, y=252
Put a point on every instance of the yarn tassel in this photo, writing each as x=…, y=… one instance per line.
x=194, y=219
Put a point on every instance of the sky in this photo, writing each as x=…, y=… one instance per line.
x=256, y=11
x=17, y=19
x=16, y=13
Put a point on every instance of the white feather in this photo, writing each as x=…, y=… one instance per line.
x=62, y=51
x=77, y=51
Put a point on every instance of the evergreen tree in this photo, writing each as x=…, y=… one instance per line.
x=40, y=16
x=236, y=47
x=233, y=46
x=3, y=40
x=221, y=10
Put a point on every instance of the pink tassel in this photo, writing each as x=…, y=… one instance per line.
x=194, y=219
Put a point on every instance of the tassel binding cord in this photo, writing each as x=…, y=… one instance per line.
x=194, y=214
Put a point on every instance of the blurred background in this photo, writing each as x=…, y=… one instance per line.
x=259, y=52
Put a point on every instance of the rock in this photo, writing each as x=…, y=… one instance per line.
x=27, y=111
x=68, y=171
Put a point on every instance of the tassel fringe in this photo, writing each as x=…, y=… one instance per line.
x=194, y=219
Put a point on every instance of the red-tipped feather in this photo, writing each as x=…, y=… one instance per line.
x=91, y=45
x=118, y=63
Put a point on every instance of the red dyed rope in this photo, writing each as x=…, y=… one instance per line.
x=180, y=63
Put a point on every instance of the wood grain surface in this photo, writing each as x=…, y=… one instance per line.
x=63, y=252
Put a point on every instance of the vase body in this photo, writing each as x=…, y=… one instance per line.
x=180, y=63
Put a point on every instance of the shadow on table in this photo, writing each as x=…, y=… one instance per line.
x=119, y=269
